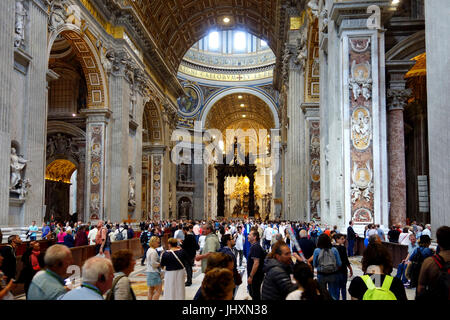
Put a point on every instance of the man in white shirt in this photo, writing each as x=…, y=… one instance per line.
x=239, y=245
x=427, y=230
x=91, y=235
x=268, y=232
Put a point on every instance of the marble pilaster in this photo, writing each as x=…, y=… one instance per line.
x=362, y=102
x=7, y=57
x=96, y=162
x=437, y=27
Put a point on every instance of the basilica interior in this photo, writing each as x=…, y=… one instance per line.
x=130, y=110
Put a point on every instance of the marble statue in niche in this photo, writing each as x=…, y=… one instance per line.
x=131, y=189
x=360, y=80
x=362, y=182
x=17, y=165
x=19, y=28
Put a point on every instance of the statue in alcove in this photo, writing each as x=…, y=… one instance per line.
x=131, y=189
x=18, y=164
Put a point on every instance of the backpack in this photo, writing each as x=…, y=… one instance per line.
x=414, y=268
x=119, y=236
x=376, y=293
x=441, y=290
x=144, y=237
x=326, y=262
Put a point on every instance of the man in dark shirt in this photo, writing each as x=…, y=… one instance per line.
x=351, y=237
x=306, y=244
x=190, y=246
x=393, y=235
x=9, y=254
x=342, y=271
x=255, y=264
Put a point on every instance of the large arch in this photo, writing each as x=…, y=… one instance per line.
x=86, y=52
x=223, y=93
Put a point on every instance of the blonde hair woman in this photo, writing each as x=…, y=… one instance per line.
x=154, y=281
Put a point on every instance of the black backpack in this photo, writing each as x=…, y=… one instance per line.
x=416, y=264
x=441, y=291
x=144, y=237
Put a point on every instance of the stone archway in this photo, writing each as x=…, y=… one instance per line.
x=95, y=110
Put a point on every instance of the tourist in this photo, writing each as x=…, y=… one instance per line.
x=32, y=263
x=218, y=284
x=144, y=239
x=417, y=258
x=393, y=234
x=178, y=234
x=427, y=230
x=9, y=257
x=154, y=281
x=228, y=243
x=255, y=265
x=68, y=239
x=190, y=246
x=351, y=237
x=307, y=287
x=92, y=235
x=306, y=244
x=211, y=245
x=342, y=271
x=380, y=232
x=174, y=261
x=5, y=286
x=120, y=233
x=215, y=260
x=239, y=244
x=401, y=269
x=403, y=237
x=277, y=282
x=81, y=238
x=267, y=237
x=327, y=261
x=60, y=235
x=97, y=278
x=46, y=231
x=432, y=283
x=49, y=284
x=32, y=231
x=102, y=241
x=123, y=264
x=377, y=267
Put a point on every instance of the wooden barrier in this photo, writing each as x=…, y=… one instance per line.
x=79, y=254
x=398, y=251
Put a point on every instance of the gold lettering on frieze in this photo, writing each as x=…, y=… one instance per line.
x=226, y=77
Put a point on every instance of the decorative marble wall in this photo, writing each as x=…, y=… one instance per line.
x=96, y=171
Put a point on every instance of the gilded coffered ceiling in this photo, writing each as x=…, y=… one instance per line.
x=227, y=113
x=176, y=25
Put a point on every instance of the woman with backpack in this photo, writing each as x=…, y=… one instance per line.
x=327, y=261
x=377, y=283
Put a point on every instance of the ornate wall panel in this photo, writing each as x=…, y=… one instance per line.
x=360, y=114
x=156, y=201
x=314, y=159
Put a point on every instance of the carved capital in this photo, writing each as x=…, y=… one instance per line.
x=58, y=13
x=397, y=99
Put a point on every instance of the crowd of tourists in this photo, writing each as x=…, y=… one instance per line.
x=279, y=261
